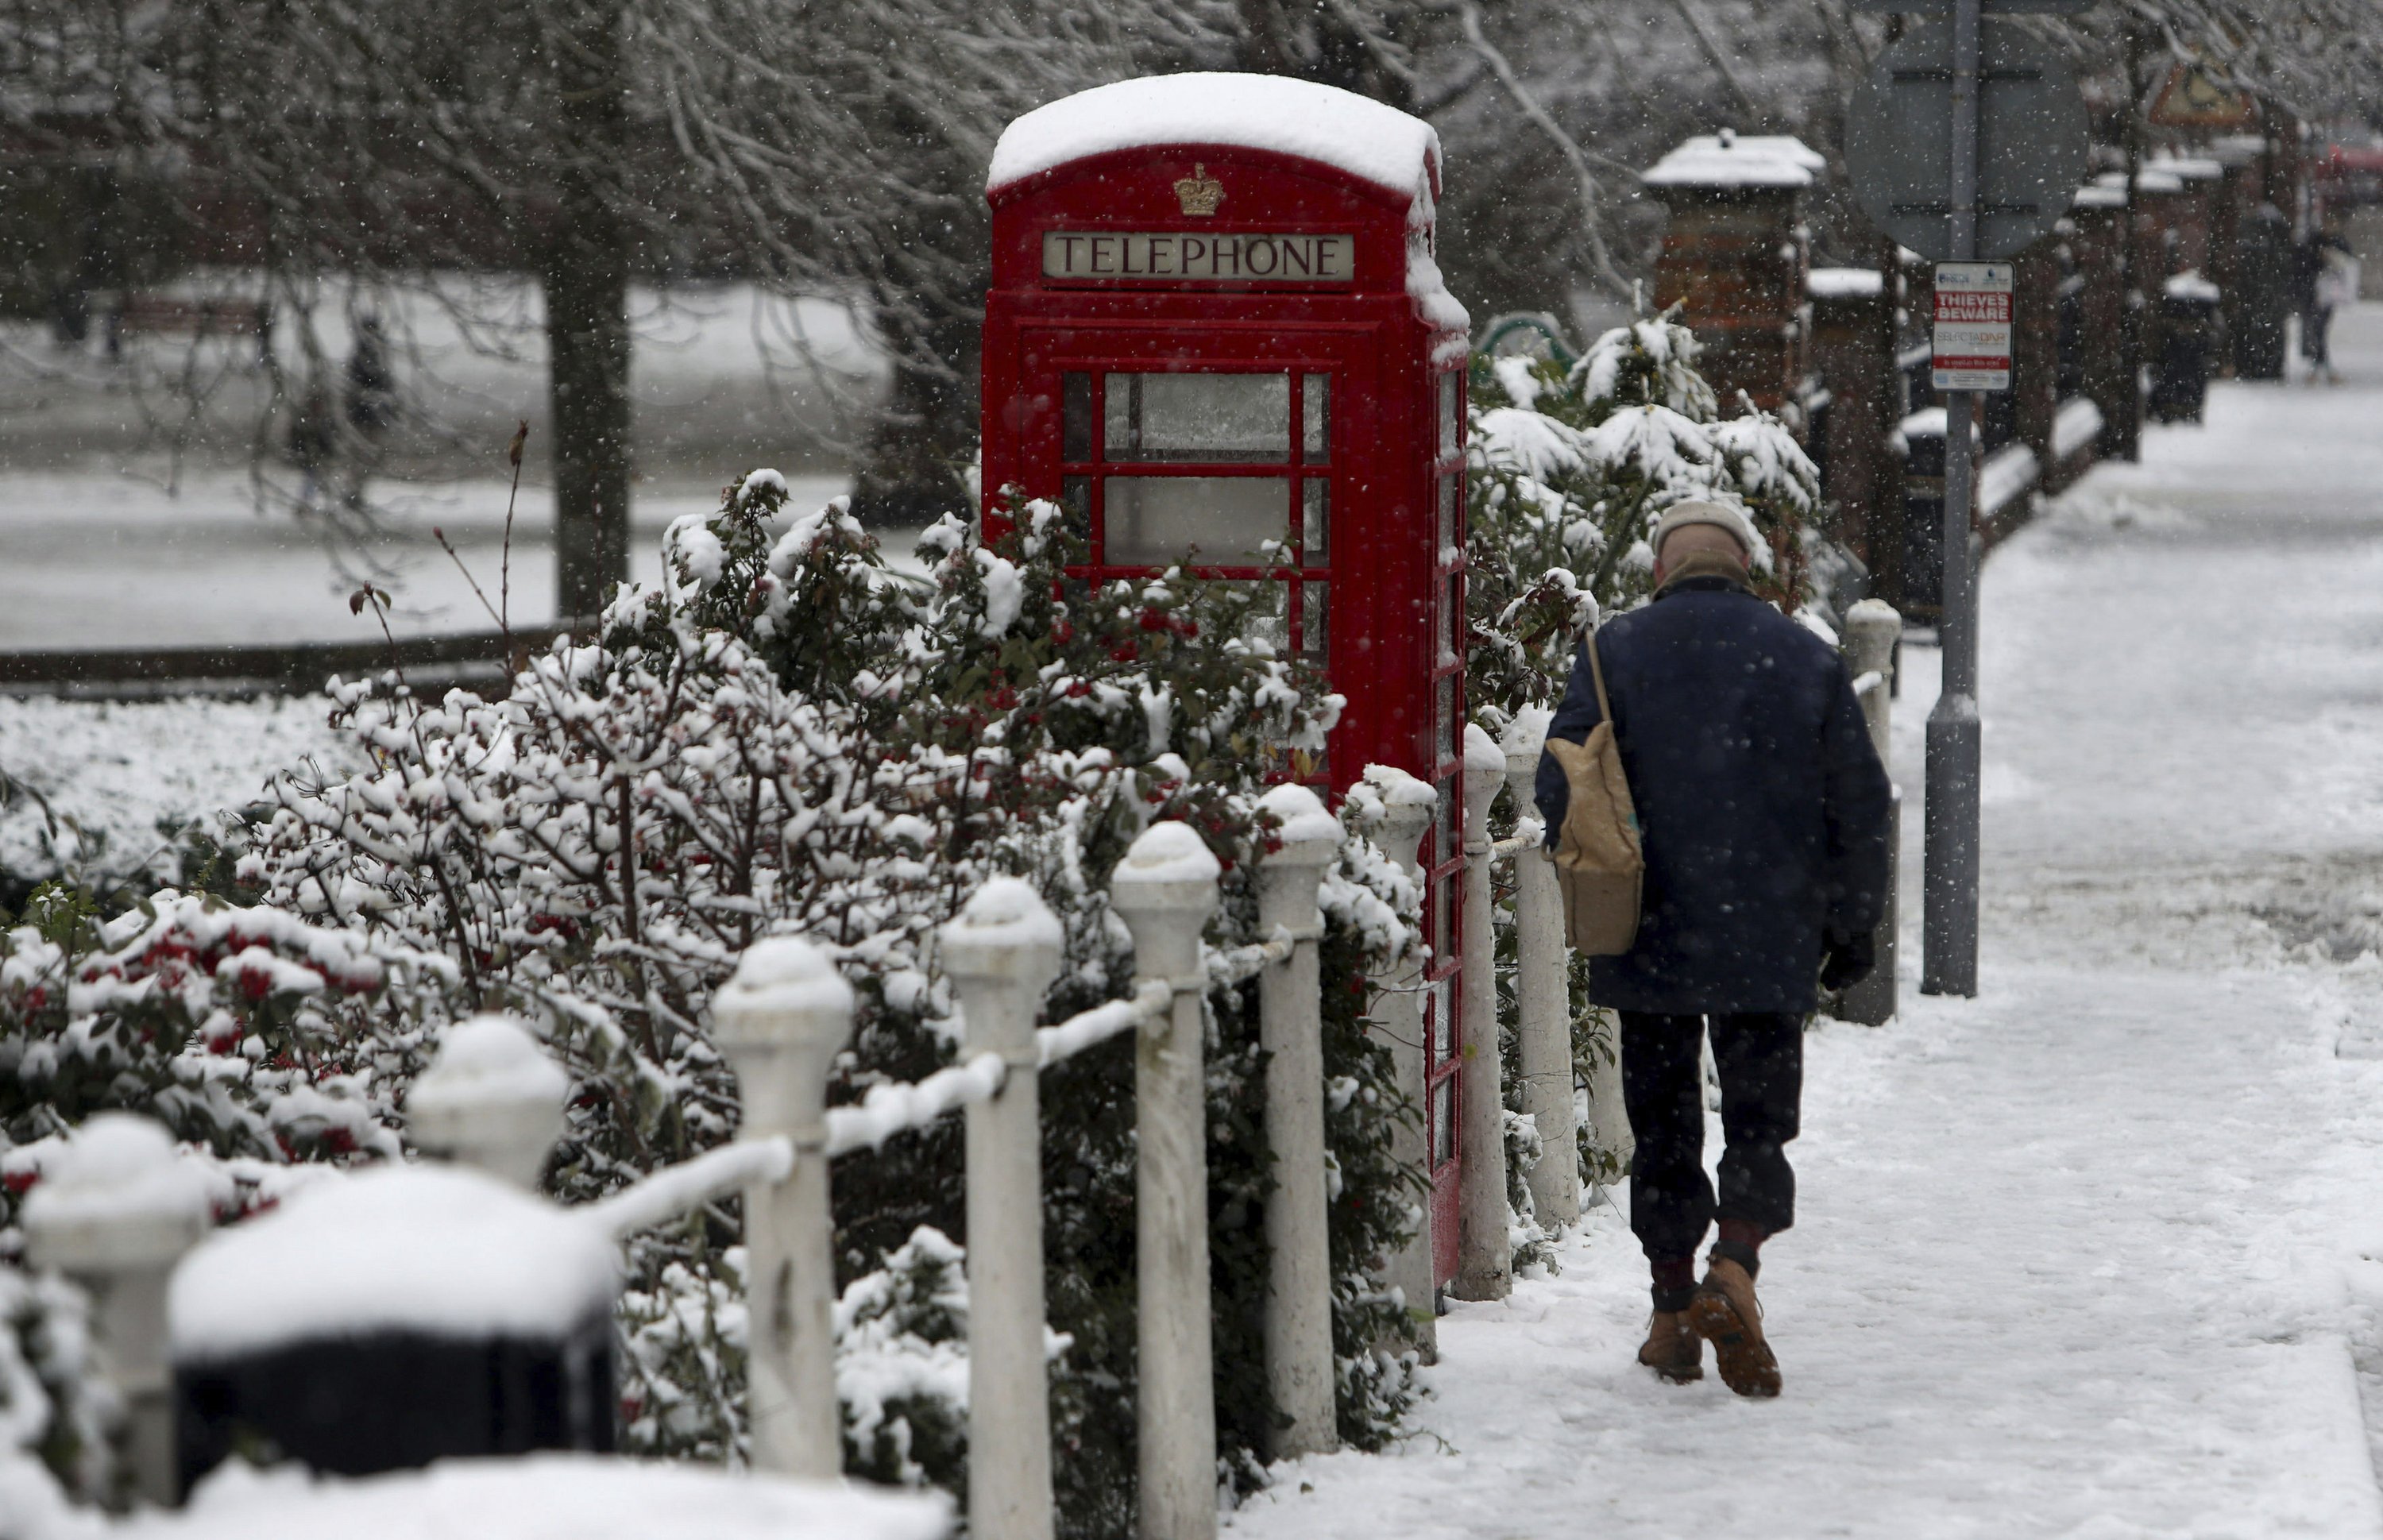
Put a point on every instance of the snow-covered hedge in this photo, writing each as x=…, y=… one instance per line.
x=784, y=736
x=1571, y=469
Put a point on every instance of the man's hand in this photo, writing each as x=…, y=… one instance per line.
x=1846, y=961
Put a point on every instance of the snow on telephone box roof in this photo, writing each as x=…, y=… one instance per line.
x=1351, y=133
x=1730, y=160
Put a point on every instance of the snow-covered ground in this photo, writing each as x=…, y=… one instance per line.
x=2100, y=1253
x=98, y=560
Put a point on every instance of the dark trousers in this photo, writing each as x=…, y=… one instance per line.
x=1760, y=1060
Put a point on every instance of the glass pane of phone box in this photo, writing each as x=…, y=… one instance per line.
x=1195, y=419
x=1157, y=521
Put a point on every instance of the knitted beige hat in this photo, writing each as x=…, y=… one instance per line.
x=1720, y=516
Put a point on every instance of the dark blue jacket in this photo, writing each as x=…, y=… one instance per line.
x=1761, y=806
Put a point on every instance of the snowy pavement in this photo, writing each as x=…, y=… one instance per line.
x=2095, y=1254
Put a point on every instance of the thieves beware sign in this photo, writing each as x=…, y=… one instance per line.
x=1170, y=256
x=1973, y=325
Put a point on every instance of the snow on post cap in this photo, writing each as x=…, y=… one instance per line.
x=1527, y=736
x=1481, y=751
x=1007, y=911
x=1304, y=821
x=441, y=1251
x=1728, y=159
x=1167, y=852
x=486, y=1059
x=1844, y=283
x=1873, y=612
x=549, y=1496
x=1351, y=133
x=1398, y=789
x=116, y=1195
x=782, y=976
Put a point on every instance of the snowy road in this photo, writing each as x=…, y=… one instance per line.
x=2093, y=1255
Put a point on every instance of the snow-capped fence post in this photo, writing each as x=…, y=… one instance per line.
x=780, y=1021
x=115, y=1213
x=490, y=1099
x=1299, y=1299
x=1001, y=954
x=1485, y=1256
x=1873, y=631
x=1407, y=806
x=1165, y=890
x=1542, y=995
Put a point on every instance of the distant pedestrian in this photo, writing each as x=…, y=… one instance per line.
x=372, y=387
x=313, y=444
x=2325, y=280
x=1762, y=813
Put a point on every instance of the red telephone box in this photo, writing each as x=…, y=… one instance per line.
x=1216, y=321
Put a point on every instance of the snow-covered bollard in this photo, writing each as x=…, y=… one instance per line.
x=1485, y=1255
x=1001, y=955
x=1165, y=890
x=780, y=1020
x=491, y=1099
x=387, y=1318
x=1542, y=994
x=115, y=1211
x=1873, y=631
x=1407, y=807
x=1298, y=1300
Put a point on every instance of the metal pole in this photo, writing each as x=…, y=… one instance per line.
x=1950, y=960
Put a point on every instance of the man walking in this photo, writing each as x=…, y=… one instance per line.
x=1763, y=812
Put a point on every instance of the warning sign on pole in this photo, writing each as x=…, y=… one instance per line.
x=1973, y=325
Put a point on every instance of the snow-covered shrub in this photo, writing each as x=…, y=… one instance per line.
x=224, y=1023
x=784, y=737
x=57, y=1413
x=901, y=1361
x=1570, y=470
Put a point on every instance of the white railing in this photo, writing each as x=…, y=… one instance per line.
x=492, y=1101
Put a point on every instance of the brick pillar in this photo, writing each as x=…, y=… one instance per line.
x=1734, y=258
x=2195, y=210
x=2035, y=345
x=2233, y=214
x=2099, y=249
x=1852, y=355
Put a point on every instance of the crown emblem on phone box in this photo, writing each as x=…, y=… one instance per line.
x=1200, y=192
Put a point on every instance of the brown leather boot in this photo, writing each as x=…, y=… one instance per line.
x=1671, y=1349
x=1725, y=1314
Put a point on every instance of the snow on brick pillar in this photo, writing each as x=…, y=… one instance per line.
x=1852, y=355
x=1733, y=256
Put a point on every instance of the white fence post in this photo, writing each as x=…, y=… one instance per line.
x=780, y=1021
x=1872, y=631
x=115, y=1211
x=1001, y=955
x=491, y=1099
x=1298, y=1300
x=1165, y=890
x=1407, y=806
x=1484, y=1257
x=1542, y=990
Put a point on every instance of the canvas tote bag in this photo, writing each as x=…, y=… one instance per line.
x=1600, y=866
